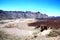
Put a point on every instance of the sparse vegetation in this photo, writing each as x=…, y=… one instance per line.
x=54, y=33
x=4, y=36
x=32, y=33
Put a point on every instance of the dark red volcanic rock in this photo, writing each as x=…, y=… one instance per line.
x=49, y=23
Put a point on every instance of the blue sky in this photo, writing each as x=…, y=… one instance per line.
x=49, y=7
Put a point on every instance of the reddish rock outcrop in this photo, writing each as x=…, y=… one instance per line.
x=49, y=23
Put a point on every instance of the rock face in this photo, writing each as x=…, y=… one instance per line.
x=21, y=14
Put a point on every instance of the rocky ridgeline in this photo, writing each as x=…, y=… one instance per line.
x=21, y=14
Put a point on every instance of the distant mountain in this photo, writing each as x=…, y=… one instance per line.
x=21, y=14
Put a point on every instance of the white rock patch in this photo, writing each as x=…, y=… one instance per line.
x=45, y=32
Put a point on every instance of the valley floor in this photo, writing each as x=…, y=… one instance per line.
x=19, y=30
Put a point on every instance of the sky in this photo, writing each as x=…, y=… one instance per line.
x=49, y=7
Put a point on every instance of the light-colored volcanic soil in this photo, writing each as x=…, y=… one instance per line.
x=19, y=28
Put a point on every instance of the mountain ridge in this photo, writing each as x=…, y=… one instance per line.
x=21, y=14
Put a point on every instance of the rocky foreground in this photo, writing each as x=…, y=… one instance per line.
x=19, y=30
